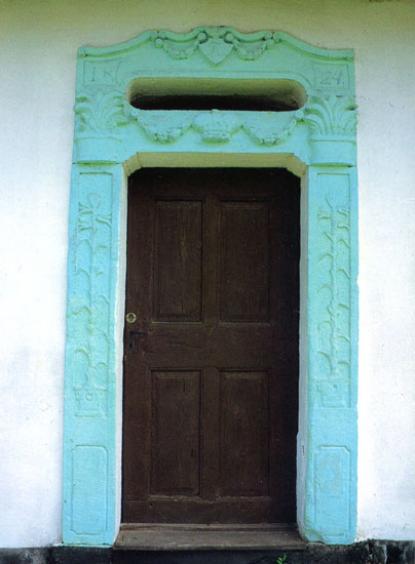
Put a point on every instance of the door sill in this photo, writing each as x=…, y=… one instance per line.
x=155, y=536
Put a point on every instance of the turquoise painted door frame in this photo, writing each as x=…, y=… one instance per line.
x=316, y=142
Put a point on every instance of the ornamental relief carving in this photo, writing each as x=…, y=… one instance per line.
x=88, y=312
x=215, y=43
x=216, y=126
x=334, y=325
x=102, y=106
x=331, y=115
x=99, y=111
x=104, y=111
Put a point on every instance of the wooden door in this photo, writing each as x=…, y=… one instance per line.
x=211, y=363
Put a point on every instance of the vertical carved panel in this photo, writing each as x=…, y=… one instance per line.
x=333, y=292
x=88, y=317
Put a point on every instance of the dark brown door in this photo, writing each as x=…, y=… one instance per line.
x=211, y=363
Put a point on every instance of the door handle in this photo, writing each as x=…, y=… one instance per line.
x=131, y=317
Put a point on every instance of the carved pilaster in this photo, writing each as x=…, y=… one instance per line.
x=331, y=337
x=90, y=344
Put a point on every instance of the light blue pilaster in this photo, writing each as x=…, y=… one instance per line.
x=331, y=325
x=89, y=512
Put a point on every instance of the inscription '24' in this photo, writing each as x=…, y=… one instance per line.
x=335, y=77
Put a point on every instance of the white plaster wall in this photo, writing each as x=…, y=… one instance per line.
x=39, y=39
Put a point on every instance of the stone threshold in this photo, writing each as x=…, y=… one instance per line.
x=148, y=536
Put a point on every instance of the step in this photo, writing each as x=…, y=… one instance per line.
x=173, y=537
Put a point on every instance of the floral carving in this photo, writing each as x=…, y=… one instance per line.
x=334, y=293
x=215, y=126
x=163, y=126
x=331, y=115
x=271, y=128
x=215, y=43
x=100, y=111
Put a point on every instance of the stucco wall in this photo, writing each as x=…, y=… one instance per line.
x=39, y=40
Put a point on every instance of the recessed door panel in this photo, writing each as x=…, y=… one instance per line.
x=177, y=293
x=175, y=432
x=244, y=433
x=244, y=261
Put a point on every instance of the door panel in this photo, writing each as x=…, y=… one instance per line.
x=244, y=433
x=177, y=293
x=244, y=233
x=175, y=432
x=211, y=364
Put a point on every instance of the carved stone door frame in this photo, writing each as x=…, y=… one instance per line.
x=316, y=142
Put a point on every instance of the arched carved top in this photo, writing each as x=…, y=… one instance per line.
x=247, y=45
x=222, y=54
